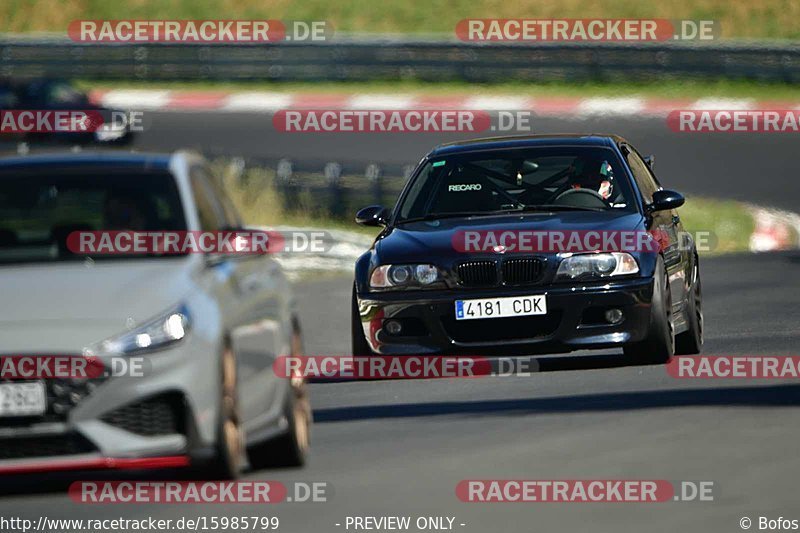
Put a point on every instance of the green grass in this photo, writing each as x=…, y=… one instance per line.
x=661, y=89
x=730, y=222
x=764, y=19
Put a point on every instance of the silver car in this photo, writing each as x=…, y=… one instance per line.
x=205, y=328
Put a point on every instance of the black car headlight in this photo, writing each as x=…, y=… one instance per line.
x=155, y=334
x=596, y=265
x=405, y=277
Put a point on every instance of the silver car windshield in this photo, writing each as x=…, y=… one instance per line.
x=38, y=212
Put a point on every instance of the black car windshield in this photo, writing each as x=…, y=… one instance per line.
x=512, y=181
x=39, y=211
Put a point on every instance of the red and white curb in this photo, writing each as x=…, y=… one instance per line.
x=269, y=102
x=775, y=229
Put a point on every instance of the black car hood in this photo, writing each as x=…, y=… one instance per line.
x=416, y=241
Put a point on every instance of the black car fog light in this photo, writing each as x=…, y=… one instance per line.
x=614, y=316
x=393, y=327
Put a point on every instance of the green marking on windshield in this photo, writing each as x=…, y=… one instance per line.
x=438, y=163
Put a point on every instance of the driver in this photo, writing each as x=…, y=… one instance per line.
x=591, y=174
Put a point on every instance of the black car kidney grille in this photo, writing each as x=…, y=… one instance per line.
x=522, y=271
x=477, y=273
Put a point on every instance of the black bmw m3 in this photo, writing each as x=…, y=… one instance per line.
x=529, y=245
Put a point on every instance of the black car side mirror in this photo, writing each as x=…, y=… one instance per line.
x=374, y=215
x=665, y=199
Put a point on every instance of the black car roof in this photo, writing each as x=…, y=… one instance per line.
x=522, y=141
x=125, y=160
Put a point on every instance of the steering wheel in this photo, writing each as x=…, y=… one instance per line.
x=590, y=195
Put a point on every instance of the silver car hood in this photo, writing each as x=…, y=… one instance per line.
x=64, y=307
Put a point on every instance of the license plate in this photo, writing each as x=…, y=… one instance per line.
x=501, y=307
x=22, y=399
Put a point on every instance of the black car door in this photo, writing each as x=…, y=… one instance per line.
x=667, y=223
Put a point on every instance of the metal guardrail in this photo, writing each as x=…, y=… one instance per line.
x=350, y=59
x=335, y=190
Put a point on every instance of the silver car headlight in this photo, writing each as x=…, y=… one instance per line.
x=155, y=334
x=405, y=277
x=596, y=265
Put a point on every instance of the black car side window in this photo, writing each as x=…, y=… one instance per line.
x=417, y=206
x=644, y=179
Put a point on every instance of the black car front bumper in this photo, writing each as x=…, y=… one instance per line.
x=574, y=320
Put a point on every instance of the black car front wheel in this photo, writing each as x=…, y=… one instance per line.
x=690, y=342
x=659, y=345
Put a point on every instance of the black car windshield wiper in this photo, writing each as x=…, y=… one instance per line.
x=555, y=207
x=520, y=209
x=457, y=214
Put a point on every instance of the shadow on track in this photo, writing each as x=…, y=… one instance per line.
x=550, y=363
x=59, y=482
x=771, y=396
x=555, y=363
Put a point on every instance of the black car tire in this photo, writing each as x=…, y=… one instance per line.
x=359, y=344
x=690, y=342
x=659, y=345
x=291, y=448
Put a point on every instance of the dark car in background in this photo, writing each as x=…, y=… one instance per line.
x=416, y=292
x=47, y=94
